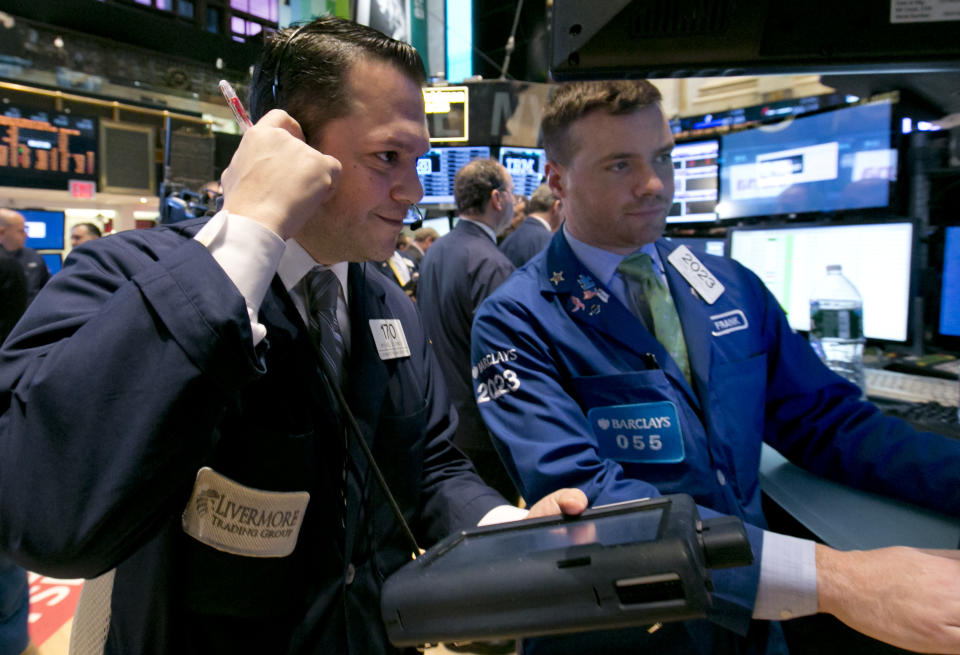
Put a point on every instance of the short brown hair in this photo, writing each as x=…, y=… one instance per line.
x=572, y=101
x=475, y=182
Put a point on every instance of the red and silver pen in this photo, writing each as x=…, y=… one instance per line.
x=236, y=106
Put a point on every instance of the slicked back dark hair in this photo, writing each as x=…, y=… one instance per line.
x=314, y=60
x=572, y=101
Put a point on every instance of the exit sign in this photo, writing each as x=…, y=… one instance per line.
x=83, y=189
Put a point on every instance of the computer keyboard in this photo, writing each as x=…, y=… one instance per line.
x=911, y=388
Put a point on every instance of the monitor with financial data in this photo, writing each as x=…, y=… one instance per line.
x=438, y=167
x=526, y=167
x=876, y=257
x=949, y=324
x=694, y=182
x=839, y=160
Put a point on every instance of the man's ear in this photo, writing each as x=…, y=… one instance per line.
x=554, y=173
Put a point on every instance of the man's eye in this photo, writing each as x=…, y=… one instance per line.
x=387, y=157
x=619, y=166
x=665, y=158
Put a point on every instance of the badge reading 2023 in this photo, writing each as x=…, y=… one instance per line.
x=647, y=433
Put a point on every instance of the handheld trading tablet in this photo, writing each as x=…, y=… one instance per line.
x=628, y=564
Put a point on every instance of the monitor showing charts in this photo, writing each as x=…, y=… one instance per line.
x=950, y=285
x=876, y=258
x=437, y=168
x=45, y=228
x=525, y=166
x=694, y=182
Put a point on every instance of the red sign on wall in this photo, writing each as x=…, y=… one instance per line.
x=83, y=189
x=52, y=604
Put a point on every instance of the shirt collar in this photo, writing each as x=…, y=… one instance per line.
x=486, y=228
x=603, y=263
x=543, y=221
x=297, y=262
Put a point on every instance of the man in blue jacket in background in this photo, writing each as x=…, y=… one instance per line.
x=586, y=379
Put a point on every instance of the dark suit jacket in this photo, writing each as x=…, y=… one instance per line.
x=33, y=267
x=13, y=294
x=526, y=241
x=129, y=376
x=458, y=272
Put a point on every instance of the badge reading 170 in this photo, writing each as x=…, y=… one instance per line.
x=643, y=432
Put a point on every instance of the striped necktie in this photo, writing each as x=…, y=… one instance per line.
x=321, y=291
x=648, y=292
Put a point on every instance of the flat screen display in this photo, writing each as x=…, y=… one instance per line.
x=53, y=260
x=44, y=228
x=525, y=166
x=832, y=161
x=437, y=168
x=950, y=285
x=45, y=150
x=694, y=182
x=876, y=258
x=441, y=225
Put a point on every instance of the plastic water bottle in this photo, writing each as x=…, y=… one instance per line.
x=836, y=325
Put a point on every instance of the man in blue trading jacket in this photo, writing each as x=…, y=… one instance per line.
x=458, y=272
x=207, y=478
x=13, y=236
x=586, y=380
x=533, y=235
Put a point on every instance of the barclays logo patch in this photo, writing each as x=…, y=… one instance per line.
x=728, y=322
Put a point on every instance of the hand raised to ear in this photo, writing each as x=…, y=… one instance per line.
x=275, y=178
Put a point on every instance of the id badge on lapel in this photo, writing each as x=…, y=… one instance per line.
x=647, y=433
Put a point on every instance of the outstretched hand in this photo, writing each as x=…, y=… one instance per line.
x=275, y=178
x=906, y=597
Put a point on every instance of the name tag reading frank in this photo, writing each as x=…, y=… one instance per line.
x=646, y=433
x=242, y=520
x=389, y=337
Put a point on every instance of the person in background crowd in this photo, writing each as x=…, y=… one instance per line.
x=83, y=232
x=13, y=237
x=458, y=272
x=533, y=235
x=423, y=238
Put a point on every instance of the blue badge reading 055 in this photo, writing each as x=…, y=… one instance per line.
x=647, y=433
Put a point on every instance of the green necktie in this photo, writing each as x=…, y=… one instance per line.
x=647, y=290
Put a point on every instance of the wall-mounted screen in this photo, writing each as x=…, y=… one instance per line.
x=437, y=168
x=525, y=166
x=45, y=150
x=876, y=258
x=694, y=182
x=53, y=260
x=950, y=285
x=832, y=161
x=45, y=228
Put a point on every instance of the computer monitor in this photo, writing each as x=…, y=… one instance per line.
x=694, y=182
x=437, y=168
x=832, y=161
x=701, y=245
x=45, y=228
x=53, y=260
x=876, y=258
x=440, y=224
x=525, y=166
x=949, y=324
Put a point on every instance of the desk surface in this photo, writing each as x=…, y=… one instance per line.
x=850, y=519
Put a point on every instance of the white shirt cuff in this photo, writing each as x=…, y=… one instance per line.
x=249, y=254
x=503, y=514
x=788, y=578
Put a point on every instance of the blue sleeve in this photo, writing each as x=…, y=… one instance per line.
x=544, y=439
x=111, y=388
x=817, y=420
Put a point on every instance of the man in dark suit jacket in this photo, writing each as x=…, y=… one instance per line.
x=13, y=236
x=208, y=481
x=13, y=294
x=423, y=238
x=533, y=235
x=458, y=272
